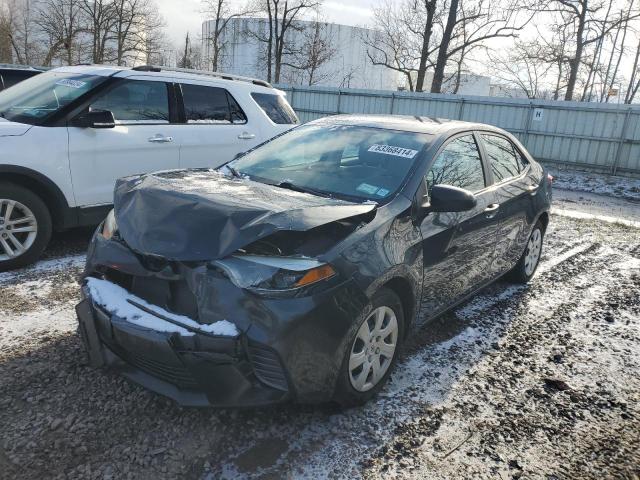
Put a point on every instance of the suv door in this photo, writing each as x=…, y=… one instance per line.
x=514, y=193
x=141, y=142
x=216, y=128
x=458, y=247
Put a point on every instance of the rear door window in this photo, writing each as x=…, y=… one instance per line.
x=459, y=165
x=211, y=105
x=136, y=101
x=502, y=157
x=276, y=108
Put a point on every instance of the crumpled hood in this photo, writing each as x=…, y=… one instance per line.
x=12, y=129
x=196, y=215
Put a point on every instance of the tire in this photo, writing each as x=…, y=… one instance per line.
x=33, y=235
x=350, y=389
x=526, y=267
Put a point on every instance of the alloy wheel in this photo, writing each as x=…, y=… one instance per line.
x=373, y=349
x=533, y=252
x=18, y=229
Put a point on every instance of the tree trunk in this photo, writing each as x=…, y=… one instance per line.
x=426, y=38
x=574, y=64
x=441, y=63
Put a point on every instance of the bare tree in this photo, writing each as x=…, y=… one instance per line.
x=100, y=18
x=585, y=16
x=634, y=79
x=522, y=68
x=61, y=22
x=6, y=32
x=282, y=16
x=315, y=51
x=220, y=13
x=469, y=24
x=190, y=56
x=394, y=42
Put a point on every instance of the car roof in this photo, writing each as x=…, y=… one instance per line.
x=416, y=124
x=204, y=77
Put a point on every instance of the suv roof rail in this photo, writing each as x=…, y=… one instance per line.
x=224, y=76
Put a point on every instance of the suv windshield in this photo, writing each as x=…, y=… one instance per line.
x=340, y=160
x=36, y=99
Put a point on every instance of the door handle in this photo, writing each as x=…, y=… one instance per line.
x=532, y=189
x=246, y=136
x=160, y=139
x=491, y=210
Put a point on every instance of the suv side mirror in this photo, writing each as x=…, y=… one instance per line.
x=95, y=119
x=447, y=198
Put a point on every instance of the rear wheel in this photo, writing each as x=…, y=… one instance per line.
x=528, y=263
x=373, y=350
x=25, y=226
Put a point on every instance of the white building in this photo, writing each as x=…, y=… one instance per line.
x=348, y=67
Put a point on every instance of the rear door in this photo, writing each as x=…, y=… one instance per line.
x=514, y=191
x=458, y=247
x=216, y=128
x=141, y=142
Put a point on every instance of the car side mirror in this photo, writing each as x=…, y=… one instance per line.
x=95, y=119
x=447, y=198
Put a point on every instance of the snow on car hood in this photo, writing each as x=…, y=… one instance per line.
x=12, y=129
x=195, y=215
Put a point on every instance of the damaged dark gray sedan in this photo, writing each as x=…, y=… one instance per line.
x=297, y=270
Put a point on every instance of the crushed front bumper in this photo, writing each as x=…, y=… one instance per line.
x=198, y=370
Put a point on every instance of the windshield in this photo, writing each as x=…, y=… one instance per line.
x=340, y=160
x=39, y=97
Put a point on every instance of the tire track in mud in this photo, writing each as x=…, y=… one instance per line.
x=524, y=334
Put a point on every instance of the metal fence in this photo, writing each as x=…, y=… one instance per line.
x=605, y=137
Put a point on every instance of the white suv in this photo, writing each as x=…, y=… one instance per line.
x=68, y=134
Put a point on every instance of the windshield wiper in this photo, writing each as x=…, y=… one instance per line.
x=233, y=171
x=298, y=188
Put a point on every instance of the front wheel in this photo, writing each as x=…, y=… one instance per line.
x=373, y=350
x=25, y=226
x=528, y=263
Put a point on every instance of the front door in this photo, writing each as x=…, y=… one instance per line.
x=458, y=247
x=142, y=141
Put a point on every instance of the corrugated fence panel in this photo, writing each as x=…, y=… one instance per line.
x=601, y=136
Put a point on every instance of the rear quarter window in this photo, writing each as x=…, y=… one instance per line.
x=502, y=156
x=276, y=108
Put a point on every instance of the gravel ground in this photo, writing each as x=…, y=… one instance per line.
x=537, y=381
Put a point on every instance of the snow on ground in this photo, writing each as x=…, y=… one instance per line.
x=534, y=381
x=627, y=188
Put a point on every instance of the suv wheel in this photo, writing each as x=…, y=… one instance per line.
x=373, y=350
x=25, y=226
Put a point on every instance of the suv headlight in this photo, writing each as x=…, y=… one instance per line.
x=109, y=227
x=266, y=273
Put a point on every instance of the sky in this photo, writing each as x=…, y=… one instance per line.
x=184, y=16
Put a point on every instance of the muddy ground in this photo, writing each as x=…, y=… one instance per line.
x=541, y=381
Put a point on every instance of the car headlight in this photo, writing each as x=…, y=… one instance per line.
x=268, y=273
x=109, y=227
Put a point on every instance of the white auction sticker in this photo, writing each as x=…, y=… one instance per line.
x=391, y=150
x=66, y=82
